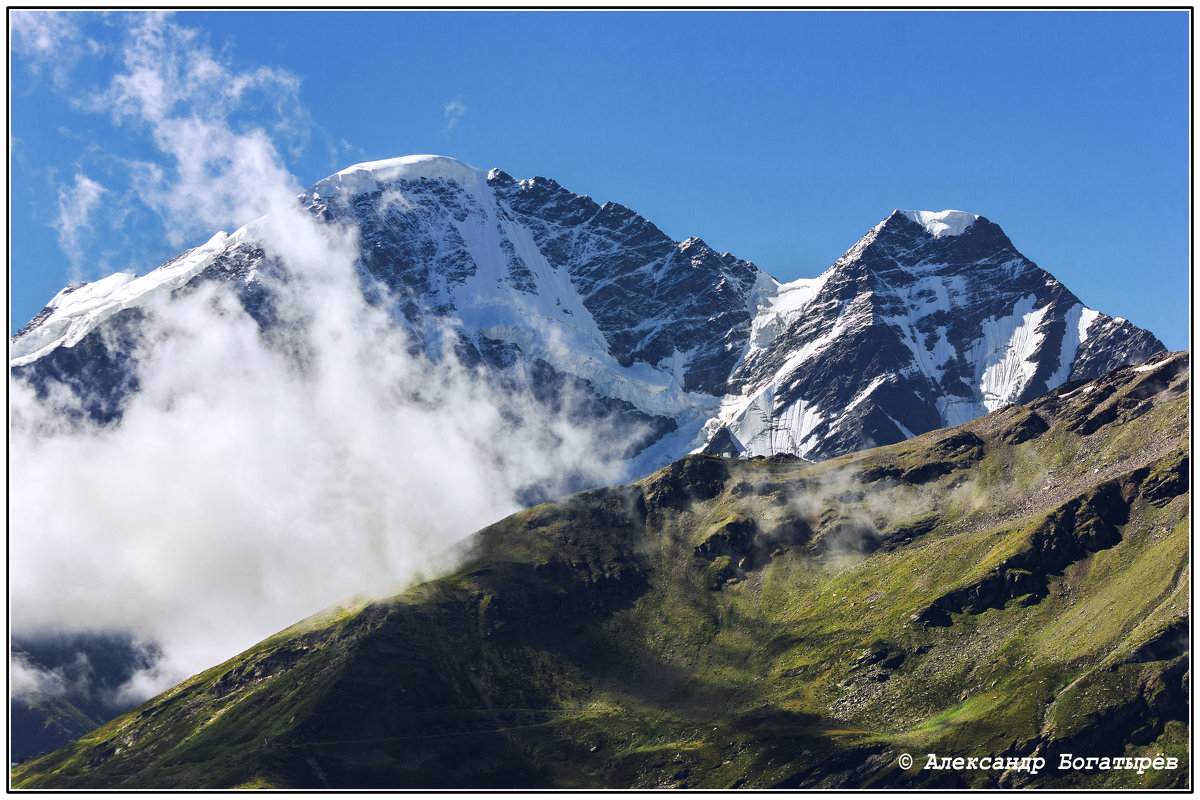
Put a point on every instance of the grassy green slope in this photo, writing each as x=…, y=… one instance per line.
x=1015, y=586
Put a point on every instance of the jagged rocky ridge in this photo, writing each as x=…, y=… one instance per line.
x=1014, y=587
x=931, y=319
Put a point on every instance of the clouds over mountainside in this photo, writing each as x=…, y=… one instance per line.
x=411, y=348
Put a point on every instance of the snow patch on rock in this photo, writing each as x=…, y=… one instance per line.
x=1005, y=353
x=942, y=223
x=361, y=177
x=76, y=311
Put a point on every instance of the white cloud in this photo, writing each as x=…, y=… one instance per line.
x=29, y=681
x=75, y=205
x=50, y=40
x=196, y=141
x=453, y=111
x=218, y=170
x=40, y=31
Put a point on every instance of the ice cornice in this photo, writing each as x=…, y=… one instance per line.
x=941, y=223
x=362, y=176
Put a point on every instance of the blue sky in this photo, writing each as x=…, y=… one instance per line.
x=781, y=137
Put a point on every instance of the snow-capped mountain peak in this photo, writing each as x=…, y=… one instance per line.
x=942, y=223
x=930, y=319
x=360, y=177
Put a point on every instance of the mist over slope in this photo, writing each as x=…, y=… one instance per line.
x=256, y=476
x=1014, y=587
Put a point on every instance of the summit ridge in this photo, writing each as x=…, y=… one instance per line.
x=931, y=319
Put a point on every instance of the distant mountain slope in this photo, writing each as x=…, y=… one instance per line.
x=84, y=673
x=43, y=721
x=930, y=320
x=1013, y=587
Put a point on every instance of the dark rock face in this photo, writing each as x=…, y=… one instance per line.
x=697, y=477
x=650, y=296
